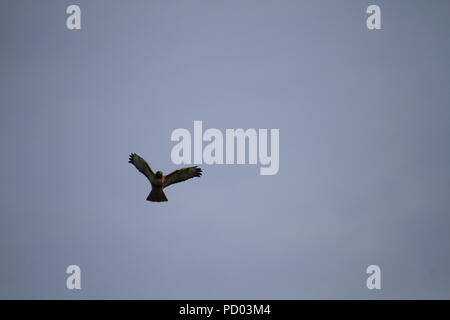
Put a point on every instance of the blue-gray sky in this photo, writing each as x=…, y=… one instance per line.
x=364, y=173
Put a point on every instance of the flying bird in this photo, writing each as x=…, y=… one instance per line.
x=158, y=180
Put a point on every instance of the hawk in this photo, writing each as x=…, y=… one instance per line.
x=158, y=180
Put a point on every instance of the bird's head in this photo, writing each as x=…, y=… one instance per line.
x=158, y=174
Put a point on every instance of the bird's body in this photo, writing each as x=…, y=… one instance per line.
x=158, y=180
x=158, y=183
x=157, y=193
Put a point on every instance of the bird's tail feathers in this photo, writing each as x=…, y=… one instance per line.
x=157, y=196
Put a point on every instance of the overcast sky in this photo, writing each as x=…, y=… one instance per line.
x=364, y=124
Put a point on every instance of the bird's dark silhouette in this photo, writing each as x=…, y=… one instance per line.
x=158, y=180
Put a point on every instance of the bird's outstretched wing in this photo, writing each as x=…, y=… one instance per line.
x=182, y=175
x=142, y=166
